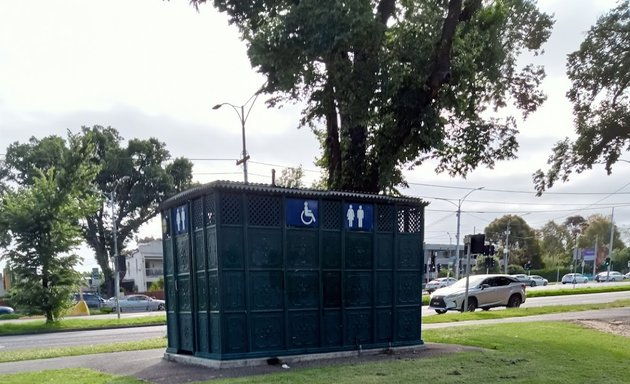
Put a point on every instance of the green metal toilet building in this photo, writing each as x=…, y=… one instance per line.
x=257, y=271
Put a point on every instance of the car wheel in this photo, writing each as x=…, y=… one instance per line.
x=440, y=311
x=532, y=284
x=472, y=305
x=485, y=308
x=514, y=302
x=161, y=307
x=545, y=284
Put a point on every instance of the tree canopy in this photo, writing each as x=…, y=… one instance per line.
x=43, y=221
x=522, y=242
x=600, y=93
x=397, y=83
x=140, y=174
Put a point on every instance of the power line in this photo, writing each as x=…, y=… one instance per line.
x=516, y=191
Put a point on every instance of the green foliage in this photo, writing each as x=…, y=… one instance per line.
x=139, y=176
x=522, y=242
x=555, y=244
x=392, y=84
x=291, y=177
x=599, y=229
x=157, y=285
x=43, y=220
x=600, y=93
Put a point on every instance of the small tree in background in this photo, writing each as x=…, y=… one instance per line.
x=43, y=221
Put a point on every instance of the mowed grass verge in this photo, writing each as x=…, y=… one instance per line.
x=70, y=375
x=67, y=324
x=541, y=352
x=49, y=353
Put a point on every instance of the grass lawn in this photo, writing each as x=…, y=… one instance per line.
x=49, y=353
x=548, y=352
x=78, y=323
x=516, y=353
x=63, y=376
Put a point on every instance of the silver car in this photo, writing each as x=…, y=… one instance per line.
x=484, y=291
x=574, y=278
x=133, y=303
x=439, y=283
x=537, y=281
x=609, y=276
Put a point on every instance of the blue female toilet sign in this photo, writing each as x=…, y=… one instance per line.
x=358, y=216
x=302, y=213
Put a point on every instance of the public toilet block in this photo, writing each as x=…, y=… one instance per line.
x=257, y=271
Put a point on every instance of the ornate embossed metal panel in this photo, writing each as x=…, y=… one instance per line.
x=243, y=282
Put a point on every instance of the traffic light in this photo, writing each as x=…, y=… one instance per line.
x=439, y=268
x=477, y=244
x=492, y=262
x=607, y=262
x=528, y=266
x=432, y=258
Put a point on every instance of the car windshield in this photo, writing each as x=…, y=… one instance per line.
x=473, y=281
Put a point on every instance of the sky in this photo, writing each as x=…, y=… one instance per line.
x=152, y=68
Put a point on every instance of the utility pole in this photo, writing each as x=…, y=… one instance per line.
x=506, y=250
x=459, y=214
x=612, y=235
x=595, y=260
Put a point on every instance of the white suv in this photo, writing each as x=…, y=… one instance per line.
x=439, y=283
x=484, y=291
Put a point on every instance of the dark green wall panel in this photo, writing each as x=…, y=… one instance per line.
x=240, y=282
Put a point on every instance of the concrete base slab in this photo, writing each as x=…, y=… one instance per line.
x=290, y=359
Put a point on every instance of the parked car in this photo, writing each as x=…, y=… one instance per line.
x=523, y=278
x=6, y=310
x=484, y=291
x=626, y=276
x=536, y=280
x=609, y=276
x=439, y=283
x=133, y=303
x=574, y=278
x=92, y=300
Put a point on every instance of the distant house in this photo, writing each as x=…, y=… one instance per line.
x=144, y=266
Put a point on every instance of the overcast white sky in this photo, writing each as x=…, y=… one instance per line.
x=155, y=68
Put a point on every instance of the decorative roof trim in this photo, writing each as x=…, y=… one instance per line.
x=234, y=186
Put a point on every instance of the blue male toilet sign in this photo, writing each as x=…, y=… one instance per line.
x=179, y=218
x=302, y=213
x=358, y=216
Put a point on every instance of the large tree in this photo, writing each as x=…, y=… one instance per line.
x=140, y=173
x=397, y=83
x=555, y=242
x=522, y=243
x=600, y=93
x=43, y=221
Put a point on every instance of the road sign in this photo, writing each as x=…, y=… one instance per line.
x=588, y=254
x=302, y=213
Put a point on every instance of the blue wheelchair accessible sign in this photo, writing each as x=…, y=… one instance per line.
x=358, y=216
x=302, y=213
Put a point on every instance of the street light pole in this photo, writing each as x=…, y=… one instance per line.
x=115, y=236
x=459, y=213
x=242, y=116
